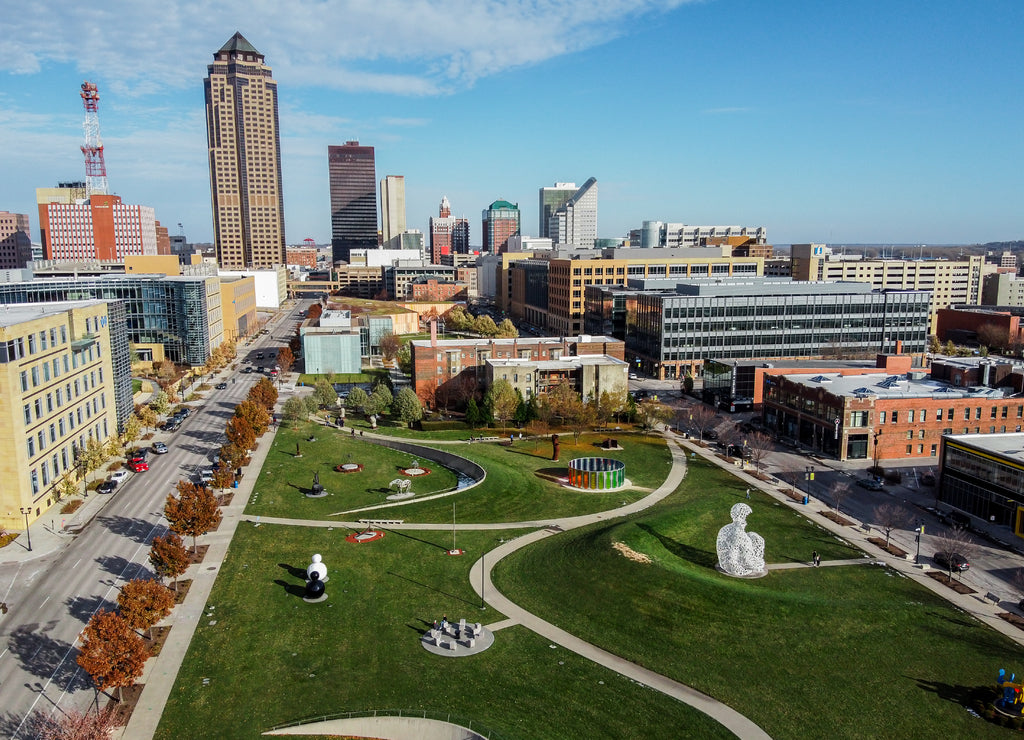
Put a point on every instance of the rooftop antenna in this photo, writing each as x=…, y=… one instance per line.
x=95, y=169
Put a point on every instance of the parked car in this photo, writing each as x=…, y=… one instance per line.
x=160, y=448
x=171, y=425
x=205, y=476
x=259, y=355
x=118, y=476
x=711, y=434
x=952, y=561
x=107, y=486
x=221, y=386
x=184, y=411
x=140, y=454
x=137, y=466
x=955, y=519
x=869, y=483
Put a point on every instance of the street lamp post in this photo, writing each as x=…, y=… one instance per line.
x=917, y=557
x=28, y=533
x=809, y=476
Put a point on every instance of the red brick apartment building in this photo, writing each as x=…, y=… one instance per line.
x=887, y=417
x=457, y=366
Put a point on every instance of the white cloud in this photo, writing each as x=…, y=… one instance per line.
x=423, y=47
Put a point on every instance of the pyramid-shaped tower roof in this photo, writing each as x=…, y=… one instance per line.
x=238, y=42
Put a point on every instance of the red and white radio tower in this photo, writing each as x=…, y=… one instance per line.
x=95, y=169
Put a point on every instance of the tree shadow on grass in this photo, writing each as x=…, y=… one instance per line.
x=292, y=589
x=685, y=552
x=947, y=692
x=400, y=533
x=431, y=588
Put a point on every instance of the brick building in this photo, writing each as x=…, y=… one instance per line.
x=885, y=417
x=458, y=366
x=438, y=291
x=991, y=326
x=301, y=256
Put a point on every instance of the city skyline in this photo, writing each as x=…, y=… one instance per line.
x=821, y=121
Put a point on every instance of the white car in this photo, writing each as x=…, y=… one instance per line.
x=119, y=476
x=205, y=476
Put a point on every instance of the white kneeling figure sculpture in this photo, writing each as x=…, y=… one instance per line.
x=318, y=567
x=740, y=553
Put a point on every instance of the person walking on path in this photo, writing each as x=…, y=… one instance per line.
x=814, y=558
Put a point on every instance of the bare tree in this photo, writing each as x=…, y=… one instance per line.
x=759, y=445
x=839, y=493
x=890, y=517
x=955, y=541
x=703, y=418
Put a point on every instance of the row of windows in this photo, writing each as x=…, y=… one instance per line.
x=50, y=470
x=42, y=373
x=82, y=386
x=74, y=419
x=1002, y=412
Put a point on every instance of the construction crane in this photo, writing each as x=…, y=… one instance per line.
x=95, y=169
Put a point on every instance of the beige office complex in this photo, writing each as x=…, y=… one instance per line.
x=245, y=158
x=56, y=392
x=950, y=281
x=392, y=209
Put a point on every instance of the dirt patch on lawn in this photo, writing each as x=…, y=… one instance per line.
x=180, y=590
x=837, y=518
x=197, y=555
x=156, y=638
x=957, y=586
x=628, y=552
x=890, y=548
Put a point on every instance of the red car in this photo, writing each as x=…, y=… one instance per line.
x=137, y=466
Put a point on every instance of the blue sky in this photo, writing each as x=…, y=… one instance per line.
x=840, y=122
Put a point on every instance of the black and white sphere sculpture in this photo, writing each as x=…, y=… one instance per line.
x=314, y=586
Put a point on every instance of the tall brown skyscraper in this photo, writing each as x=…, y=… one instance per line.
x=245, y=158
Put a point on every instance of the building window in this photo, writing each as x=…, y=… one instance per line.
x=935, y=449
x=910, y=416
x=910, y=449
x=24, y=381
x=881, y=417
x=28, y=414
x=993, y=413
x=920, y=449
x=910, y=434
x=920, y=434
x=967, y=414
x=977, y=412
x=31, y=442
x=895, y=417
x=31, y=344
x=938, y=414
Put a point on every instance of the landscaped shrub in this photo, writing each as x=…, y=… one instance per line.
x=437, y=426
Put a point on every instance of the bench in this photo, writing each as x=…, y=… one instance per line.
x=381, y=522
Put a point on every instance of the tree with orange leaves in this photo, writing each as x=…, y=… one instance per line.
x=193, y=512
x=169, y=557
x=255, y=414
x=143, y=603
x=285, y=359
x=264, y=393
x=111, y=653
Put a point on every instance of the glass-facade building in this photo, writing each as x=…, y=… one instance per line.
x=670, y=327
x=179, y=312
x=983, y=476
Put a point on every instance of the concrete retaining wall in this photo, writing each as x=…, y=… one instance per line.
x=384, y=728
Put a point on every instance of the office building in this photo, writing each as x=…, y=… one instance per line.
x=353, y=181
x=101, y=227
x=57, y=384
x=448, y=235
x=500, y=221
x=551, y=199
x=983, y=477
x=399, y=277
x=574, y=223
x=668, y=235
x=673, y=326
x=15, y=242
x=950, y=281
x=331, y=343
x=244, y=142
x=392, y=208
x=555, y=299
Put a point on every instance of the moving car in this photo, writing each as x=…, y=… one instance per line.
x=160, y=448
x=221, y=386
x=952, y=561
x=259, y=355
x=137, y=466
x=118, y=476
x=869, y=483
x=107, y=486
x=247, y=370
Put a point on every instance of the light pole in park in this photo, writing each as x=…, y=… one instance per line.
x=26, y=511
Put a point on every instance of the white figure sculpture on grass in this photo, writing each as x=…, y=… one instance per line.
x=401, y=484
x=740, y=553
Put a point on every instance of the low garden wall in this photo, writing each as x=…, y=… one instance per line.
x=460, y=465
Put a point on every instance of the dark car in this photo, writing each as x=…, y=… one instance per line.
x=247, y=370
x=139, y=454
x=221, y=386
x=107, y=486
x=952, y=561
x=259, y=355
x=171, y=425
x=711, y=434
x=869, y=483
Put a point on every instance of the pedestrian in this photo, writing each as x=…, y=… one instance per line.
x=520, y=436
x=748, y=494
x=511, y=439
x=353, y=431
x=444, y=623
x=814, y=558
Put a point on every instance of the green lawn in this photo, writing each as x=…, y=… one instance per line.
x=270, y=658
x=853, y=651
x=512, y=491
x=280, y=489
x=368, y=377
x=136, y=386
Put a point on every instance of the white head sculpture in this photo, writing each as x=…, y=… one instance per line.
x=740, y=553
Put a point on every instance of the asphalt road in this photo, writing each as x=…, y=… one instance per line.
x=52, y=598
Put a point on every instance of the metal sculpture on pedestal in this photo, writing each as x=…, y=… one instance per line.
x=740, y=553
x=314, y=588
x=318, y=490
x=1011, y=703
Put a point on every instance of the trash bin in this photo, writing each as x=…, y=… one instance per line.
x=805, y=501
x=235, y=485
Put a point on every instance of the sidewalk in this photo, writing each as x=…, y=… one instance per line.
x=160, y=672
x=50, y=533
